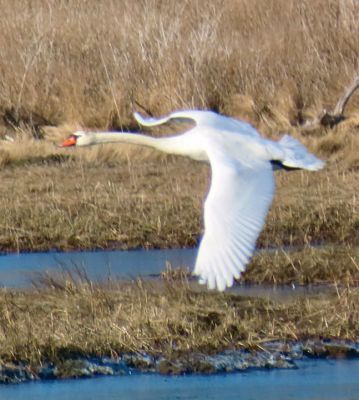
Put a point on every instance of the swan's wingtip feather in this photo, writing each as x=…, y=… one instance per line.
x=320, y=164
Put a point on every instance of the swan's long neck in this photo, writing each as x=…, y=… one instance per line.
x=123, y=137
x=181, y=144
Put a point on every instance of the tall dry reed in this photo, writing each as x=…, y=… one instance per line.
x=91, y=62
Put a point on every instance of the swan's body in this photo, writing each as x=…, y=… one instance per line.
x=242, y=184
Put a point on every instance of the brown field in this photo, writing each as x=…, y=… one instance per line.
x=89, y=64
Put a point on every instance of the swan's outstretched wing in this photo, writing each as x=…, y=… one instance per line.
x=234, y=214
x=203, y=118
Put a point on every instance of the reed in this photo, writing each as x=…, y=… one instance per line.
x=90, y=63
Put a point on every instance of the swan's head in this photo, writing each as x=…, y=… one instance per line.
x=78, y=138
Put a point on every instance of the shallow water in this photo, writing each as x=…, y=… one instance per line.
x=314, y=380
x=17, y=270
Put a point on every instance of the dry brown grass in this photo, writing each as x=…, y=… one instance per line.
x=308, y=265
x=116, y=197
x=102, y=198
x=65, y=319
x=270, y=65
x=88, y=62
x=91, y=63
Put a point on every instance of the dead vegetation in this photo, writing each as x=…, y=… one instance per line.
x=90, y=63
x=96, y=198
x=304, y=266
x=332, y=118
x=68, y=318
x=62, y=69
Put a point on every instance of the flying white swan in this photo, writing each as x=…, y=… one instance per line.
x=242, y=184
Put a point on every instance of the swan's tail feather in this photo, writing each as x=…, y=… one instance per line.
x=297, y=156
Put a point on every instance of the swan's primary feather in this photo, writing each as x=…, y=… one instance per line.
x=234, y=215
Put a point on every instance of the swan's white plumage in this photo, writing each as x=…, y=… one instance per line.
x=234, y=213
x=241, y=190
x=297, y=156
x=242, y=185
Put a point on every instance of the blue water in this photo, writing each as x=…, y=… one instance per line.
x=314, y=380
x=17, y=270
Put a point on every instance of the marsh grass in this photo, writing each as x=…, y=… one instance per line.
x=91, y=62
x=66, y=317
x=309, y=265
x=105, y=197
x=59, y=202
x=127, y=197
x=321, y=265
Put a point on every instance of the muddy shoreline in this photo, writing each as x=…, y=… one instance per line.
x=272, y=355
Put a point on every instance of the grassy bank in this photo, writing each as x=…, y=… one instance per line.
x=67, y=319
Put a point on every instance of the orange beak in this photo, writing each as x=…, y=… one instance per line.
x=70, y=141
